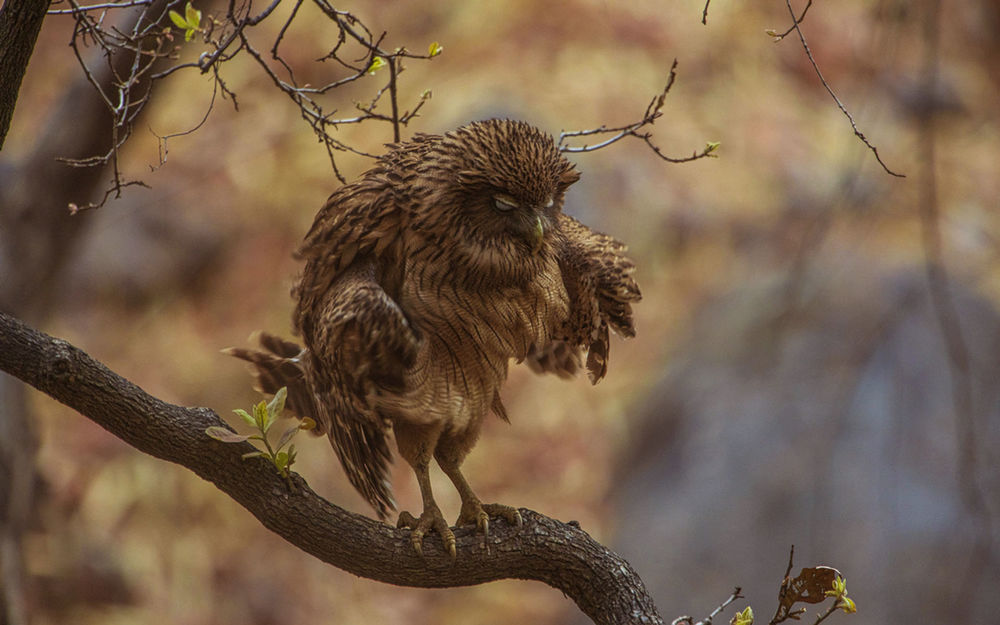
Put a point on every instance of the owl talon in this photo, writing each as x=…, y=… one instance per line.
x=478, y=514
x=430, y=519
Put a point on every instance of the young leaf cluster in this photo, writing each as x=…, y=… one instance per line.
x=190, y=22
x=264, y=415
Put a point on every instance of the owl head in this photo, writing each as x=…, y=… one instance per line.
x=502, y=185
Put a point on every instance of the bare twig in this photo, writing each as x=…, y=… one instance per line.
x=826, y=85
x=826, y=613
x=654, y=110
x=115, y=189
x=228, y=36
x=704, y=13
x=722, y=606
x=687, y=620
x=394, y=69
x=162, y=139
x=795, y=22
x=778, y=617
x=100, y=7
x=791, y=561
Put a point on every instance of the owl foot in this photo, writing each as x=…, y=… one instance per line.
x=430, y=519
x=477, y=513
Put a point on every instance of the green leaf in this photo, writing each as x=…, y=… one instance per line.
x=287, y=436
x=743, y=618
x=226, y=436
x=435, y=49
x=253, y=454
x=277, y=403
x=847, y=604
x=269, y=421
x=188, y=34
x=260, y=416
x=281, y=461
x=377, y=64
x=246, y=416
x=178, y=21
x=192, y=16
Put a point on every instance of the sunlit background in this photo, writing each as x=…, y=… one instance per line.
x=791, y=381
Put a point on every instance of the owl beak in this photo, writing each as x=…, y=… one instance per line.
x=538, y=235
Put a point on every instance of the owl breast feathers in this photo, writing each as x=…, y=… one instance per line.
x=423, y=279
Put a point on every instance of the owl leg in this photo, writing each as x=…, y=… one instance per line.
x=416, y=444
x=474, y=511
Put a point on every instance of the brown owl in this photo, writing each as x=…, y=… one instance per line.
x=422, y=280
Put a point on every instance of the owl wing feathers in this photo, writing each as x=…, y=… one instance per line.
x=358, y=340
x=598, y=280
x=365, y=218
x=361, y=344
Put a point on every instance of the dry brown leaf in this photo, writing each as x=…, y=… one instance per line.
x=809, y=587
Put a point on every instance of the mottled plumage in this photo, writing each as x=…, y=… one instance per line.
x=422, y=280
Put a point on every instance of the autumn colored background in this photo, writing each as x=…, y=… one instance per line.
x=790, y=383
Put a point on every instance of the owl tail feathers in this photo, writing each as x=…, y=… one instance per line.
x=279, y=364
x=363, y=451
x=361, y=445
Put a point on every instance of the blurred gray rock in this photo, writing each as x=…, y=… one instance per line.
x=826, y=422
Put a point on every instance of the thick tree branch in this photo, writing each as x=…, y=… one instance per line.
x=561, y=555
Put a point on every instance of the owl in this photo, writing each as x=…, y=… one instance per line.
x=422, y=281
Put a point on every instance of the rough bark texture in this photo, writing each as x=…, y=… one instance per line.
x=561, y=555
x=20, y=22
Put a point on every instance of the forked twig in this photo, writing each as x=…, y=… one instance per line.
x=805, y=46
x=654, y=110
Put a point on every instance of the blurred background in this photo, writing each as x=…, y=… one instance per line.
x=818, y=351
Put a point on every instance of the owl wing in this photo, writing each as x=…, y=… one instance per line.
x=360, y=345
x=358, y=340
x=598, y=280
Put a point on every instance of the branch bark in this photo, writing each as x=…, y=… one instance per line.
x=20, y=23
x=561, y=555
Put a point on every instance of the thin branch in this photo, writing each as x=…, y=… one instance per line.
x=394, y=69
x=833, y=607
x=795, y=22
x=654, y=110
x=115, y=189
x=253, y=21
x=826, y=85
x=162, y=140
x=704, y=13
x=687, y=620
x=783, y=612
x=226, y=38
x=77, y=9
x=561, y=555
x=722, y=606
x=791, y=561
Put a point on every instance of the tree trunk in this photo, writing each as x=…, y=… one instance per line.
x=20, y=22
